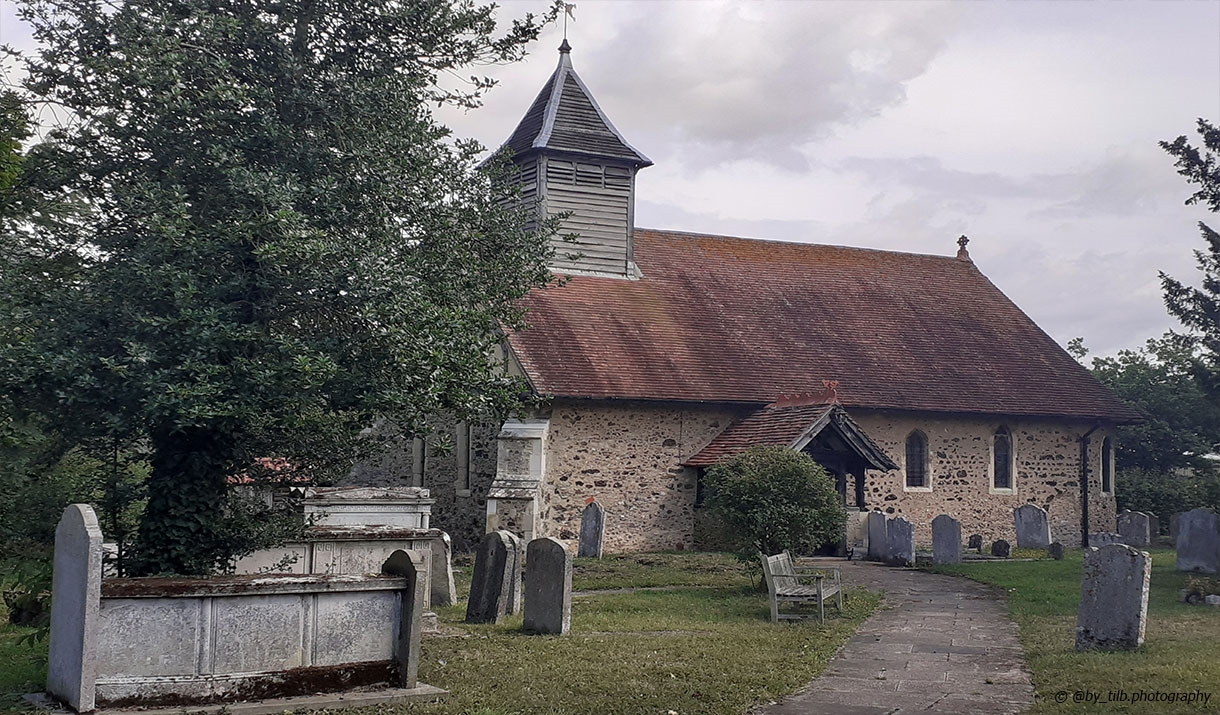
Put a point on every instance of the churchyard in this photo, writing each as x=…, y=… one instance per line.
x=1178, y=653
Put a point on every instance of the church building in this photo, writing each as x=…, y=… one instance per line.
x=918, y=384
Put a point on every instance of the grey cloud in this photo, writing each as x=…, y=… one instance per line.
x=788, y=77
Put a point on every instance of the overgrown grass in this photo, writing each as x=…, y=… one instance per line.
x=1179, y=654
x=23, y=669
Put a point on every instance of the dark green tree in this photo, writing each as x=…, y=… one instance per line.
x=774, y=498
x=1198, y=309
x=279, y=245
x=1181, y=422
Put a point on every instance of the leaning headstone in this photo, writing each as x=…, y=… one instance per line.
x=492, y=579
x=76, y=582
x=946, y=540
x=548, y=588
x=444, y=592
x=1055, y=551
x=1113, y=598
x=900, y=540
x=1173, y=527
x=1001, y=548
x=516, y=565
x=1134, y=529
x=976, y=543
x=592, y=530
x=1033, y=529
x=878, y=546
x=410, y=565
x=1199, y=541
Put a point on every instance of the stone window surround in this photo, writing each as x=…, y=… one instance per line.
x=1012, y=462
x=1105, y=469
x=926, y=487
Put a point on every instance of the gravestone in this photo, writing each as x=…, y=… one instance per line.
x=1033, y=529
x=1133, y=528
x=76, y=581
x=516, y=566
x=1001, y=548
x=1154, y=527
x=592, y=530
x=900, y=540
x=976, y=543
x=1199, y=541
x=1056, y=551
x=878, y=546
x=409, y=565
x=444, y=592
x=1173, y=527
x=1104, y=538
x=548, y=588
x=1113, y=598
x=946, y=540
x=492, y=579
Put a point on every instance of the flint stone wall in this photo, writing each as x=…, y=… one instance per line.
x=1047, y=456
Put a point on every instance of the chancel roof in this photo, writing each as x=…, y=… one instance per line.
x=565, y=118
x=732, y=320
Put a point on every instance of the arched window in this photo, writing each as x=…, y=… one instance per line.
x=917, y=460
x=1001, y=451
x=1107, y=466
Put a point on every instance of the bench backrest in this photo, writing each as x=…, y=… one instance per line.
x=778, y=571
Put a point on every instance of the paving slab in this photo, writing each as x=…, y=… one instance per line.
x=939, y=644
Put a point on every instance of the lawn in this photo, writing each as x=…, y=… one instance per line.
x=702, y=645
x=1179, y=654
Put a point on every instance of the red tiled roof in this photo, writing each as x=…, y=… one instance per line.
x=769, y=426
x=720, y=319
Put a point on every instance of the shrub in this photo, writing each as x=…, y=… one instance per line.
x=774, y=498
x=1167, y=493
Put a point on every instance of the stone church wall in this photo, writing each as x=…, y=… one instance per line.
x=1047, y=461
x=627, y=456
x=460, y=508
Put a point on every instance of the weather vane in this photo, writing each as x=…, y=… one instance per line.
x=569, y=10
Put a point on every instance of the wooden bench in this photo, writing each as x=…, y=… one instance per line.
x=784, y=584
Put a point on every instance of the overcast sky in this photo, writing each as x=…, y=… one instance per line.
x=1032, y=127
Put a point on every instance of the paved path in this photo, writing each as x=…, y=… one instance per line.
x=938, y=645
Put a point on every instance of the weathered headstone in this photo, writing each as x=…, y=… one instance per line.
x=492, y=579
x=1113, y=598
x=1154, y=527
x=900, y=540
x=1001, y=548
x=76, y=582
x=878, y=546
x=1133, y=527
x=410, y=565
x=1104, y=538
x=976, y=543
x=444, y=592
x=516, y=566
x=1033, y=529
x=548, y=588
x=946, y=540
x=1056, y=551
x=1173, y=527
x=592, y=530
x=1199, y=541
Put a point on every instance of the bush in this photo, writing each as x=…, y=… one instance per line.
x=774, y=498
x=1164, y=494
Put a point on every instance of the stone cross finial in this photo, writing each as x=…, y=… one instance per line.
x=962, y=253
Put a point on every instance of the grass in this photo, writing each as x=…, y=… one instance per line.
x=1178, y=656
x=704, y=645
